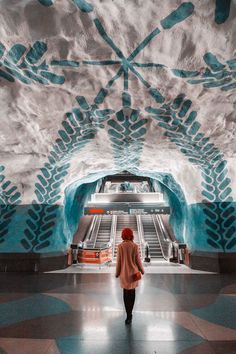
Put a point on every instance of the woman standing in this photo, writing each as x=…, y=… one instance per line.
x=128, y=264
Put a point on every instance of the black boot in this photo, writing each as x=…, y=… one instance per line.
x=128, y=319
x=129, y=298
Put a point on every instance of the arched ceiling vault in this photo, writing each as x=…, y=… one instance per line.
x=113, y=85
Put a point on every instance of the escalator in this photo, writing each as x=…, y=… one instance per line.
x=104, y=231
x=122, y=222
x=150, y=236
x=146, y=228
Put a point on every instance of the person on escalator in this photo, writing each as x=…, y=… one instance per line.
x=128, y=268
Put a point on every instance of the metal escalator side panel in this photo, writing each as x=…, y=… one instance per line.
x=165, y=226
x=95, y=230
x=158, y=236
x=165, y=243
x=140, y=235
x=113, y=234
x=151, y=236
x=89, y=238
x=104, y=232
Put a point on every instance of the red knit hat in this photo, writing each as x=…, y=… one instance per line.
x=127, y=234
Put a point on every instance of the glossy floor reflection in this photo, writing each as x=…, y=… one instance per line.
x=83, y=314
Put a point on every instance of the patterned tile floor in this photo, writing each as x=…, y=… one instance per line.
x=82, y=313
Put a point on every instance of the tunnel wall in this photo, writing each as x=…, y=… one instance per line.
x=75, y=200
x=46, y=228
x=43, y=228
x=207, y=227
x=171, y=191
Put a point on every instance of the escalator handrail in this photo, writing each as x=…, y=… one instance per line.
x=91, y=227
x=113, y=233
x=173, y=245
x=142, y=241
x=96, y=230
x=156, y=219
x=163, y=229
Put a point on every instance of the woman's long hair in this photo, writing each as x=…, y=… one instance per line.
x=127, y=234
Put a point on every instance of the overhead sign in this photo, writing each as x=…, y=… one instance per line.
x=126, y=208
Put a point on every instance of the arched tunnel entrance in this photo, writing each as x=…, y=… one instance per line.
x=99, y=207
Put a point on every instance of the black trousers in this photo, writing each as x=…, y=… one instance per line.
x=129, y=298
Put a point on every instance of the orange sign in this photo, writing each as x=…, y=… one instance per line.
x=95, y=257
x=96, y=211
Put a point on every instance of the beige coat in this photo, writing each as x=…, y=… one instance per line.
x=128, y=263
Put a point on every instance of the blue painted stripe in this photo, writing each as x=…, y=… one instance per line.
x=83, y=5
x=118, y=74
x=72, y=63
x=107, y=39
x=6, y=76
x=184, y=10
x=222, y=11
x=156, y=95
x=217, y=83
x=178, y=101
x=100, y=96
x=139, y=76
x=101, y=62
x=53, y=78
x=126, y=99
x=36, y=78
x=143, y=44
x=232, y=64
x=2, y=49
x=148, y=65
x=184, y=73
x=17, y=74
x=46, y=2
x=211, y=60
x=229, y=87
x=82, y=102
x=200, y=81
x=36, y=52
x=15, y=53
x=126, y=80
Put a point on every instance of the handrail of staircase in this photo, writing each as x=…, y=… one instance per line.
x=141, y=235
x=96, y=230
x=90, y=230
x=165, y=242
x=173, y=245
x=92, y=233
x=165, y=232
x=113, y=234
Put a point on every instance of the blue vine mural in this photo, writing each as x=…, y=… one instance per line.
x=26, y=65
x=10, y=197
x=83, y=5
x=78, y=129
x=182, y=128
x=215, y=75
x=127, y=133
x=222, y=11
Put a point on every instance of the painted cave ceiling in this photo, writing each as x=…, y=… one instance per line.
x=117, y=85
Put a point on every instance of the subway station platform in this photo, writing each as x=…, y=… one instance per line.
x=154, y=267
x=81, y=312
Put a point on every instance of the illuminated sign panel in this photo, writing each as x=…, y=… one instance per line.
x=96, y=211
x=126, y=208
